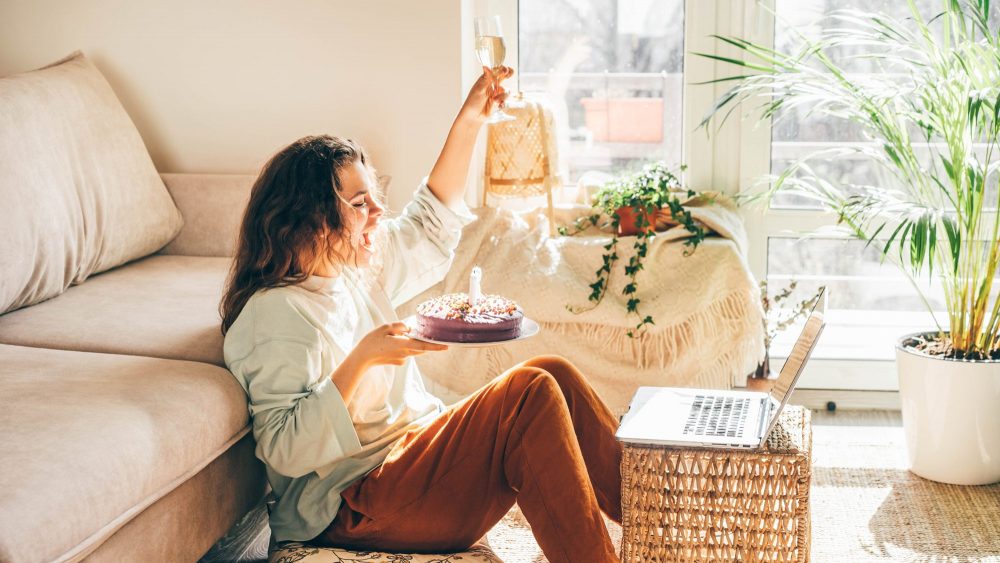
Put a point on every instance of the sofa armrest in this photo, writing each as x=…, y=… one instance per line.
x=212, y=206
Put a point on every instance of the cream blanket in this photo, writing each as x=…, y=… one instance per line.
x=705, y=305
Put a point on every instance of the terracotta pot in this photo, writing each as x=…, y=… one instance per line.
x=627, y=221
x=624, y=120
x=762, y=379
x=659, y=221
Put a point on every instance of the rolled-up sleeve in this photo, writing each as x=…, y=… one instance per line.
x=300, y=420
x=421, y=244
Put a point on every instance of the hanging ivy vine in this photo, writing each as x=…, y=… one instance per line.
x=647, y=192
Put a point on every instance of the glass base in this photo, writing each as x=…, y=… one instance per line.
x=498, y=116
x=515, y=101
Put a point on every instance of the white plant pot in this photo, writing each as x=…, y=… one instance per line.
x=951, y=416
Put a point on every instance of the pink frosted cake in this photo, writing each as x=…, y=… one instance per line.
x=450, y=318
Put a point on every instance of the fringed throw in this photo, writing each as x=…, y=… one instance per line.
x=705, y=304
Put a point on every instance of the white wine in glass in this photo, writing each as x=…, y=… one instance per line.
x=491, y=51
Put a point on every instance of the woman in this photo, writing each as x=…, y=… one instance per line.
x=357, y=453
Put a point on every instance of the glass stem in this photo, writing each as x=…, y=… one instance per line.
x=496, y=88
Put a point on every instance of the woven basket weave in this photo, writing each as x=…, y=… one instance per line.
x=699, y=504
x=521, y=155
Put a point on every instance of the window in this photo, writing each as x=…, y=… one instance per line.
x=589, y=55
x=872, y=303
x=613, y=72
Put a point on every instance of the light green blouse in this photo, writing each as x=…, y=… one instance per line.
x=287, y=341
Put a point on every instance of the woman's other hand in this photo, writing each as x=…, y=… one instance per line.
x=386, y=345
x=389, y=345
x=486, y=94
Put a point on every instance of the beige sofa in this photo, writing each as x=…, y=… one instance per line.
x=122, y=435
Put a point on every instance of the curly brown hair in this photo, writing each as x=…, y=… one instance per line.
x=293, y=218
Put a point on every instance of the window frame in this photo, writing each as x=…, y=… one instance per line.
x=731, y=159
x=753, y=161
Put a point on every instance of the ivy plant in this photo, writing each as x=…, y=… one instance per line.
x=646, y=192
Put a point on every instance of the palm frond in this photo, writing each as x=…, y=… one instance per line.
x=938, y=83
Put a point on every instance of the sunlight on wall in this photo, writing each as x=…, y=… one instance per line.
x=220, y=86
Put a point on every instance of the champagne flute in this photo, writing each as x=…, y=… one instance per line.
x=491, y=51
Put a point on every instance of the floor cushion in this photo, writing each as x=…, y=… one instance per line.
x=160, y=306
x=91, y=440
x=298, y=552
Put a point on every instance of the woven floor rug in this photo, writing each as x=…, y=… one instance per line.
x=865, y=505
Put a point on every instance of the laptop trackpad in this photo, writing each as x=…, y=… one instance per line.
x=656, y=415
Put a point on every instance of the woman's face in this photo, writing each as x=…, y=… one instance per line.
x=359, y=195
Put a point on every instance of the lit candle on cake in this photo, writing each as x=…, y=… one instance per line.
x=475, y=288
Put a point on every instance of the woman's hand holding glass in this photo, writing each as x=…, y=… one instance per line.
x=486, y=94
x=492, y=50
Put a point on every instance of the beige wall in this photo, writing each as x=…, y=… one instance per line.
x=220, y=85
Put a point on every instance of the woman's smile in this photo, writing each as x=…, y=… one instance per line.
x=359, y=191
x=366, y=241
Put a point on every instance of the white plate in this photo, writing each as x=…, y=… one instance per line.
x=529, y=328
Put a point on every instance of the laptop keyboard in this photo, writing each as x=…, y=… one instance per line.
x=717, y=416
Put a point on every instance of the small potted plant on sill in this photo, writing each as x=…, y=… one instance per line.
x=936, y=93
x=635, y=205
x=778, y=316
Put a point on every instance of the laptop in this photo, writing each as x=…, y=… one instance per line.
x=713, y=418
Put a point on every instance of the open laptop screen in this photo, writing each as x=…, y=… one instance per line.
x=792, y=369
x=800, y=351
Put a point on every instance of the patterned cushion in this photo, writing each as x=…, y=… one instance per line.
x=290, y=552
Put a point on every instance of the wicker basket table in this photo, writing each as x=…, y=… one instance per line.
x=700, y=504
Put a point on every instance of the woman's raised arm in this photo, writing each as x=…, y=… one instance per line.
x=447, y=177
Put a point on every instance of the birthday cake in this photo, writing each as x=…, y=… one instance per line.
x=452, y=318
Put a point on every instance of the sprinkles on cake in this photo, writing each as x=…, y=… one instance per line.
x=457, y=306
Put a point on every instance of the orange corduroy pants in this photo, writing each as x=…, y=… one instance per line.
x=537, y=435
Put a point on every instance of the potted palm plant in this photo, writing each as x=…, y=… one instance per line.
x=931, y=120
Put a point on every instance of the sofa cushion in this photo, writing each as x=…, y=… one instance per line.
x=160, y=306
x=213, y=207
x=80, y=193
x=189, y=520
x=90, y=440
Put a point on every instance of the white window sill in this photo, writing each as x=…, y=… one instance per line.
x=856, y=351
x=859, y=335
